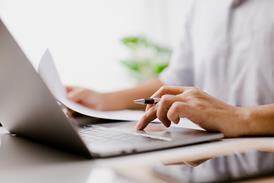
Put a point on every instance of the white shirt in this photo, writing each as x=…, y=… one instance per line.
x=227, y=50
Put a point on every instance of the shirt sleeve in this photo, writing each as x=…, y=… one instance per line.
x=180, y=69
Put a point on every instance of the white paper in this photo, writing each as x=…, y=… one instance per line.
x=49, y=74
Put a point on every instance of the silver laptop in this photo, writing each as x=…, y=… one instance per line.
x=28, y=109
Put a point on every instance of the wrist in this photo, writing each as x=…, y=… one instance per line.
x=246, y=121
x=118, y=100
x=125, y=99
x=237, y=122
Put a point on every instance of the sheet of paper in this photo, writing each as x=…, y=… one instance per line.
x=49, y=74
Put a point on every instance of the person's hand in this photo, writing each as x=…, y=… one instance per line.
x=196, y=105
x=92, y=99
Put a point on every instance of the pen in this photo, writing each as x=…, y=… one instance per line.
x=147, y=101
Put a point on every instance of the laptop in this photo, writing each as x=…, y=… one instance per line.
x=29, y=109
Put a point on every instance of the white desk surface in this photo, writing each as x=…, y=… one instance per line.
x=25, y=161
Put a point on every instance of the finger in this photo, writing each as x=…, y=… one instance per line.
x=77, y=95
x=177, y=110
x=163, y=107
x=88, y=104
x=149, y=116
x=171, y=90
x=69, y=88
x=148, y=107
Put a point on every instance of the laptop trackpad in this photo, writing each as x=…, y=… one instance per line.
x=157, y=130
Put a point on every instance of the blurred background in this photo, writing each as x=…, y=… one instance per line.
x=101, y=44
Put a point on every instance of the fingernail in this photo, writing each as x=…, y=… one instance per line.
x=138, y=126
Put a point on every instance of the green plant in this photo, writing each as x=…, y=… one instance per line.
x=146, y=59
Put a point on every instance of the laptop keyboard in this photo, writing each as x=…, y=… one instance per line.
x=97, y=135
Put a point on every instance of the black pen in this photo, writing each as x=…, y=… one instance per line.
x=147, y=101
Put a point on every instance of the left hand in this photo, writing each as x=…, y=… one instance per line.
x=94, y=100
x=196, y=105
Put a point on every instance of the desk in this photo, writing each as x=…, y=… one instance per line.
x=25, y=161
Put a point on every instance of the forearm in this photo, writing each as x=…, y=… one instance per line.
x=260, y=120
x=126, y=97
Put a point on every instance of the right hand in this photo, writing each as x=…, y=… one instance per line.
x=92, y=99
x=208, y=112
